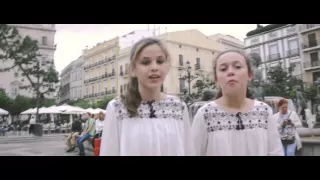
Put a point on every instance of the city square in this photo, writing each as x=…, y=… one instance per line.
x=55, y=90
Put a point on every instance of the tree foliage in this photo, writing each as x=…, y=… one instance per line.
x=280, y=82
x=23, y=55
x=85, y=104
x=21, y=103
x=203, y=82
x=102, y=104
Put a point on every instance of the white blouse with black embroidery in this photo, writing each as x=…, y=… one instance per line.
x=162, y=129
x=216, y=132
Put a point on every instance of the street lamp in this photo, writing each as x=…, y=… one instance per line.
x=317, y=104
x=189, y=77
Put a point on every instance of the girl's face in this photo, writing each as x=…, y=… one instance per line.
x=151, y=67
x=232, y=74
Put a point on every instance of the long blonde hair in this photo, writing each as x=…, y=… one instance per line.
x=132, y=98
x=248, y=62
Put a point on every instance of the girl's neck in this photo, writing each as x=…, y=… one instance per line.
x=234, y=102
x=150, y=95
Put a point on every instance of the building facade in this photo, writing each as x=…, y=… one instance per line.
x=309, y=35
x=183, y=46
x=76, y=79
x=65, y=85
x=277, y=45
x=100, y=70
x=12, y=80
x=229, y=42
x=72, y=81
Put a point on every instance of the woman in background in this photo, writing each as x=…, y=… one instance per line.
x=288, y=121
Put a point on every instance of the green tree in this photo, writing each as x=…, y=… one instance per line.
x=82, y=103
x=310, y=92
x=20, y=104
x=24, y=55
x=280, y=82
x=203, y=82
x=4, y=100
x=102, y=104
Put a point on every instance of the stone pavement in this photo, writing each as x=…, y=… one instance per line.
x=41, y=148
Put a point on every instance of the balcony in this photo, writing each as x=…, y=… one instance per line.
x=293, y=53
x=274, y=57
x=310, y=65
x=100, y=62
x=309, y=27
x=311, y=44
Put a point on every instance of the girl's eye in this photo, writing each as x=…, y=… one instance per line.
x=160, y=61
x=145, y=62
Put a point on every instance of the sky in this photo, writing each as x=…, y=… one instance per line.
x=72, y=38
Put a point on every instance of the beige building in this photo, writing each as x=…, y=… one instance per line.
x=183, y=46
x=229, y=42
x=12, y=80
x=100, y=72
x=309, y=35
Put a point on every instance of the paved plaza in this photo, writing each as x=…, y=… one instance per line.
x=42, y=148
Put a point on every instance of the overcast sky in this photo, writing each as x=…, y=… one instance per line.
x=72, y=38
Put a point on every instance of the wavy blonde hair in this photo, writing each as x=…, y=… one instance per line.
x=132, y=98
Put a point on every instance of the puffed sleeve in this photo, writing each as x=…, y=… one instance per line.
x=199, y=133
x=110, y=143
x=274, y=141
x=189, y=148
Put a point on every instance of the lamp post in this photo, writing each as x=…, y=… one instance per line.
x=317, y=104
x=189, y=77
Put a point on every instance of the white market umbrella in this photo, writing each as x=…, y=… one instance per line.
x=27, y=111
x=3, y=112
x=74, y=110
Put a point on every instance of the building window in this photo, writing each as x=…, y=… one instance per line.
x=126, y=69
x=99, y=88
x=121, y=90
x=121, y=72
x=44, y=40
x=16, y=74
x=272, y=35
x=181, y=84
x=197, y=66
x=312, y=40
x=291, y=30
x=256, y=50
x=314, y=57
x=180, y=60
x=293, y=48
x=92, y=90
x=255, y=40
x=273, y=52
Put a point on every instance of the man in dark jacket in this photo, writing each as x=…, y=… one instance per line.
x=76, y=130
